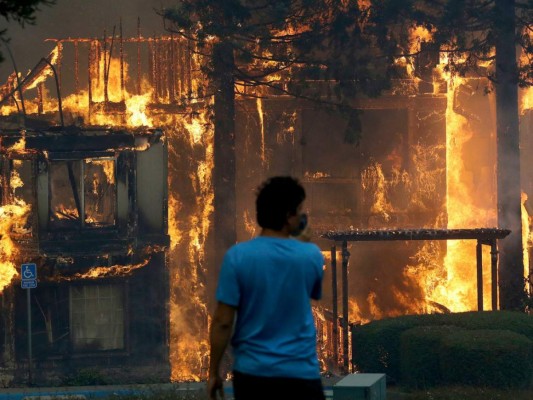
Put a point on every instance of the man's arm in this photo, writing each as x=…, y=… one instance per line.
x=219, y=337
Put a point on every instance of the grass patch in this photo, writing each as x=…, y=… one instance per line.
x=393, y=393
x=458, y=393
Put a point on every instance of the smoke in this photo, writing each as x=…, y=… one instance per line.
x=78, y=18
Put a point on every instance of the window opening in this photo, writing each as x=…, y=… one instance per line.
x=97, y=317
x=82, y=187
x=99, y=177
x=65, y=204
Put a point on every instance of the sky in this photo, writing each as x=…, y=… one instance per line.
x=76, y=18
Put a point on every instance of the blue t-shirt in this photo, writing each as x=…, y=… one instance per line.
x=271, y=281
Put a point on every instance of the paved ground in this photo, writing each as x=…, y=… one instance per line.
x=95, y=392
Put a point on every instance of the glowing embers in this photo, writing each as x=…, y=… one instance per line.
x=82, y=187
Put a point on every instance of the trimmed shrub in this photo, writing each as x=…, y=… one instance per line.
x=376, y=345
x=514, y=321
x=420, y=355
x=491, y=358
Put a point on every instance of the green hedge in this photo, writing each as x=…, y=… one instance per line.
x=376, y=345
x=489, y=358
x=507, y=320
x=420, y=355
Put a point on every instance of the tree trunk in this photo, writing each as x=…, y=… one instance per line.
x=224, y=229
x=511, y=269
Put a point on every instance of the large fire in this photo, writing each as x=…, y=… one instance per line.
x=467, y=208
x=10, y=216
x=451, y=285
x=13, y=218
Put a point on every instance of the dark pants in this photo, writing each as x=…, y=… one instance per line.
x=252, y=387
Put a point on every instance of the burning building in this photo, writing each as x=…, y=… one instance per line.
x=88, y=207
x=122, y=246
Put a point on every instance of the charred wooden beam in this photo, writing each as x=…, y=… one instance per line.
x=76, y=68
x=172, y=72
x=122, y=81
x=345, y=305
x=71, y=140
x=77, y=245
x=416, y=234
x=40, y=98
x=139, y=56
x=111, y=107
x=334, y=295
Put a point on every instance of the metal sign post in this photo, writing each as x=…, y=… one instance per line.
x=28, y=273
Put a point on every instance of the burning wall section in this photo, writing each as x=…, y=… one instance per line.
x=426, y=159
x=134, y=82
x=394, y=177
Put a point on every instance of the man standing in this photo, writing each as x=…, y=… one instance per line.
x=267, y=283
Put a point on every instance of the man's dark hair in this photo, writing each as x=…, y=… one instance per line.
x=277, y=198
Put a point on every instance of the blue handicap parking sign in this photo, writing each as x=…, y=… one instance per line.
x=28, y=274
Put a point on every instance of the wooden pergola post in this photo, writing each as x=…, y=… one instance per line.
x=345, y=341
x=335, y=330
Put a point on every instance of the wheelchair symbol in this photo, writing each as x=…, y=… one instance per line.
x=28, y=271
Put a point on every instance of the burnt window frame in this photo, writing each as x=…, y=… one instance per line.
x=81, y=225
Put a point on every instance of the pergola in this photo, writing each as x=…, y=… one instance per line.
x=483, y=236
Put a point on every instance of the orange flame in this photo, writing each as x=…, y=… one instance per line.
x=189, y=341
x=259, y=103
x=10, y=216
x=526, y=99
x=526, y=233
x=458, y=291
x=373, y=180
x=47, y=72
x=101, y=272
